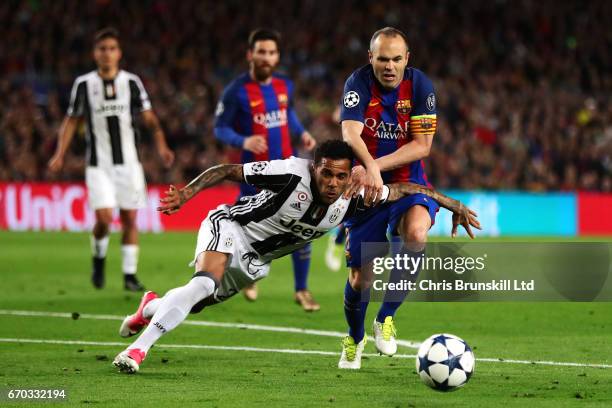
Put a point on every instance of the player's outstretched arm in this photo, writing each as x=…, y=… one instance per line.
x=175, y=198
x=66, y=133
x=462, y=215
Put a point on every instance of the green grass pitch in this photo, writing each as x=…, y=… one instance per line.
x=49, y=272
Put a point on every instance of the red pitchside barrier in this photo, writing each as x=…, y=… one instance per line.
x=63, y=207
x=196, y=209
x=594, y=214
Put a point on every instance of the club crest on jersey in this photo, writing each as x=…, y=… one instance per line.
x=302, y=196
x=282, y=99
x=229, y=242
x=351, y=99
x=259, y=167
x=335, y=214
x=403, y=106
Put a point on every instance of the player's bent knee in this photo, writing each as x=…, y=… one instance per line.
x=207, y=285
x=213, y=262
x=417, y=234
x=128, y=224
x=104, y=217
x=205, y=274
x=128, y=220
x=415, y=230
x=104, y=221
x=358, y=279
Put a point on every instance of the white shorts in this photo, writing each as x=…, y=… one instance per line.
x=219, y=233
x=120, y=186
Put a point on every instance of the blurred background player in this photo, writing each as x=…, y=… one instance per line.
x=389, y=118
x=256, y=114
x=110, y=99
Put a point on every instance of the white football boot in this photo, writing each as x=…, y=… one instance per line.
x=351, y=353
x=384, y=336
x=333, y=254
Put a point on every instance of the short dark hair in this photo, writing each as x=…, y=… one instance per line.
x=389, y=32
x=333, y=149
x=262, y=34
x=103, y=34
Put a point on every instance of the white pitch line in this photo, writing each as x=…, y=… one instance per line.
x=281, y=329
x=188, y=346
x=282, y=351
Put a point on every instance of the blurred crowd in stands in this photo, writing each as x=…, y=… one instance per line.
x=523, y=87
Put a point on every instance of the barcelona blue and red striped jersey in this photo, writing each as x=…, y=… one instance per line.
x=391, y=118
x=249, y=108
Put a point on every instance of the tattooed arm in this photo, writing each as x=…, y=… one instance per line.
x=462, y=215
x=175, y=198
x=398, y=191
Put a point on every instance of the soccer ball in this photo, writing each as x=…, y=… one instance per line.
x=445, y=362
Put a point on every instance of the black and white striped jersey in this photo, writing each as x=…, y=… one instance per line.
x=110, y=108
x=286, y=214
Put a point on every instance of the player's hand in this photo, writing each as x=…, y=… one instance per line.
x=466, y=218
x=358, y=176
x=166, y=155
x=369, y=180
x=56, y=163
x=373, y=186
x=173, y=200
x=308, y=141
x=256, y=144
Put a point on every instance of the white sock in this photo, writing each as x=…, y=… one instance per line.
x=173, y=308
x=129, y=254
x=99, y=246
